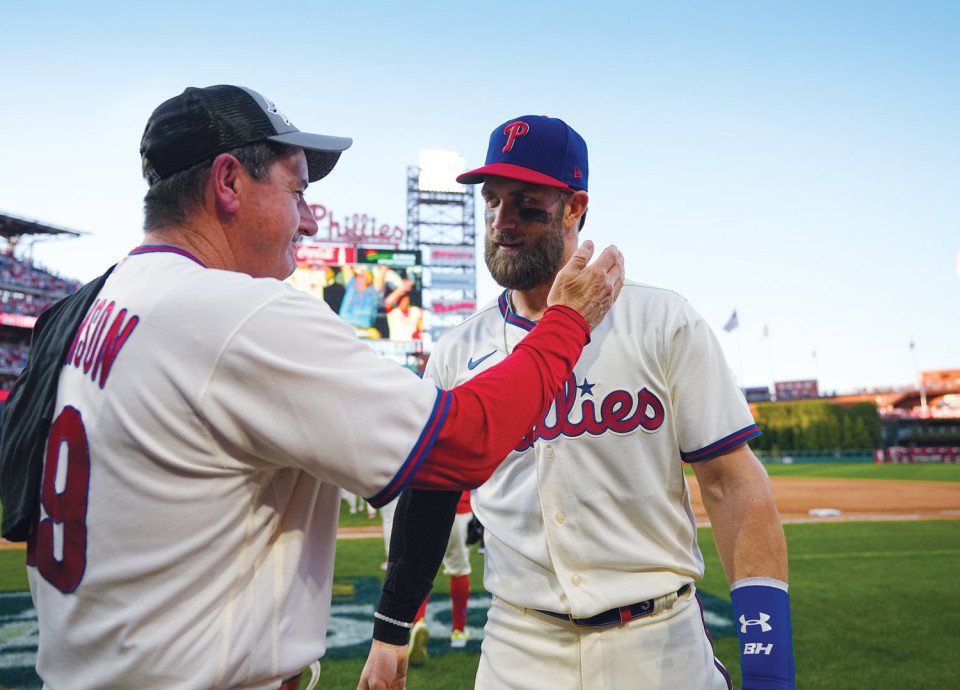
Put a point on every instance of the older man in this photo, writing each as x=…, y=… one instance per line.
x=186, y=517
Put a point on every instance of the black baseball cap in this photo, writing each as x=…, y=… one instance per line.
x=202, y=123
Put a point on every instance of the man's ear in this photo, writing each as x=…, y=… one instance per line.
x=225, y=173
x=576, y=207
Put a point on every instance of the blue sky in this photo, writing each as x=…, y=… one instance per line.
x=798, y=163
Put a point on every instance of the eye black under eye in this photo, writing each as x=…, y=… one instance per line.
x=537, y=215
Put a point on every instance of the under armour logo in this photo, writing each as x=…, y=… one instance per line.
x=761, y=621
x=514, y=131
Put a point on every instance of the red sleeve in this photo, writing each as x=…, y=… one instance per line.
x=490, y=413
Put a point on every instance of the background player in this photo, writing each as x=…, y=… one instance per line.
x=185, y=522
x=590, y=539
x=456, y=565
x=386, y=518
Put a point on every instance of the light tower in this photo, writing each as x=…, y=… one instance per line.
x=440, y=222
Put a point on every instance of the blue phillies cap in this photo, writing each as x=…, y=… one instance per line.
x=535, y=148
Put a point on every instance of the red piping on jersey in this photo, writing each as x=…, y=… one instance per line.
x=706, y=631
x=490, y=412
x=724, y=444
x=164, y=248
x=421, y=448
x=510, y=317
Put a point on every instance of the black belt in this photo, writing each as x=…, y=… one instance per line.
x=621, y=614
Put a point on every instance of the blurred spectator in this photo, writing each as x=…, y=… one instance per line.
x=14, y=272
x=25, y=290
x=404, y=320
x=13, y=358
x=362, y=299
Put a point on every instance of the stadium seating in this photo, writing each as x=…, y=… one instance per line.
x=25, y=290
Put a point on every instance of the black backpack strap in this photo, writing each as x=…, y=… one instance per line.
x=28, y=411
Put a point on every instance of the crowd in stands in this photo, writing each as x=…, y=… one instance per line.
x=13, y=358
x=19, y=303
x=25, y=289
x=14, y=272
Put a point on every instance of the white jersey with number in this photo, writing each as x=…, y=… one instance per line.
x=204, y=423
x=592, y=511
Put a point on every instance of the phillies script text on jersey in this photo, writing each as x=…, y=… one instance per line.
x=620, y=412
x=91, y=348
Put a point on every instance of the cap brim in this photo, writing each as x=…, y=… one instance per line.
x=322, y=151
x=511, y=171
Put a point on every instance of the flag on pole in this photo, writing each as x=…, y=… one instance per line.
x=732, y=322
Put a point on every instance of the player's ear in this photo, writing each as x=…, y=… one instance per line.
x=576, y=206
x=225, y=174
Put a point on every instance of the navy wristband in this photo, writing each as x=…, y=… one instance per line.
x=761, y=611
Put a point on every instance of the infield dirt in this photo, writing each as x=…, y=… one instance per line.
x=855, y=499
x=832, y=500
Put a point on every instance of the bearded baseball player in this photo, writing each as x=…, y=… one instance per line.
x=591, y=545
x=182, y=531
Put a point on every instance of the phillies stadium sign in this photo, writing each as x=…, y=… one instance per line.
x=325, y=255
x=322, y=255
x=358, y=228
x=464, y=307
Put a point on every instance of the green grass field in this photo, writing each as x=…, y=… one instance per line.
x=931, y=472
x=876, y=605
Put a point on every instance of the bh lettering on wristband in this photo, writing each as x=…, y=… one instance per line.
x=761, y=612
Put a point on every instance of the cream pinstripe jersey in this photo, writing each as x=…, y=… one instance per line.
x=591, y=510
x=205, y=421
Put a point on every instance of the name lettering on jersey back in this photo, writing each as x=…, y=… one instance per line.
x=619, y=411
x=96, y=345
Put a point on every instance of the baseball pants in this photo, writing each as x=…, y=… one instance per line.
x=386, y=516
x=667, y=650
x=456, y=561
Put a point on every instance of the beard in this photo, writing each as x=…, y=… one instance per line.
x=534, y=264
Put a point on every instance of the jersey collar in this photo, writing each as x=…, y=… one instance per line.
x=167, y=248
x=510, y=317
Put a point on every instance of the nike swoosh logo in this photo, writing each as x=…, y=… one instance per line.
x=474, y=363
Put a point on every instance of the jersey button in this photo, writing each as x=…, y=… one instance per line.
x=560, y=518
x=576, y=580
x=549, y=453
